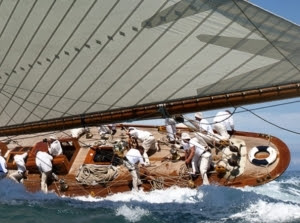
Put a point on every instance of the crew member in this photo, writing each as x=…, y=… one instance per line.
x=20, y=174
x=54, y=146
x=196, y=155
x=147, y=139
x=223, y=122
x=110, y=129
x=170, y=124
x=3, y=167
x=205, y=130
x=132, y=160
x=43, y=161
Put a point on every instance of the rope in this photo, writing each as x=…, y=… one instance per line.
x=162, y=109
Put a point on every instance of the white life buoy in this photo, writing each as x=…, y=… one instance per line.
x=262, y=162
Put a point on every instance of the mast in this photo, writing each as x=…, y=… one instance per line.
x=154, y=110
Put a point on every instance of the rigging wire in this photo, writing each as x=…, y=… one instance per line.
x=271, y=123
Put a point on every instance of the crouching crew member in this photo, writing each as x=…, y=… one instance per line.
x=20, y=174
x=132, y=160
x=147, y=139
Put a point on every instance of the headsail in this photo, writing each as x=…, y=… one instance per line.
x=72, y=63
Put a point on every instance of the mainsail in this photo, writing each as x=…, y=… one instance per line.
x=66, y=64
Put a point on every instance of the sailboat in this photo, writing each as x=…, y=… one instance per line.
x=80, y=64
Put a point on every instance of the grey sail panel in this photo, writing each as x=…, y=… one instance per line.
x=65, y=58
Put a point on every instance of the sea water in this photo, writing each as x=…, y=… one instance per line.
x=278, y=201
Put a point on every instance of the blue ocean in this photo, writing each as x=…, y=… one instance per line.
x=278, y=201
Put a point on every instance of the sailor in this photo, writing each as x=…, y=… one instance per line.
x=77, y=132
x=3, y=167
x=107, y=129
x=54, y=146
x=147, y=139
x=205, y=130
x=43, y=161
x=170, y=124
x=196, y=155
x=20, y=174
x=203, y=124
x=223, y=122
x=132, y=160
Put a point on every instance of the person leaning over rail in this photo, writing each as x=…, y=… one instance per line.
x=132, y=160
x=223, y=122
x=3, y=167
x=43, y=161
x=20, y=174
x=147, y=139
x=198, y=156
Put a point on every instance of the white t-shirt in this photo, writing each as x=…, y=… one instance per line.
x=226, y=119
x=205, y=126
x=55, y=148
x=140, y=134
x=199, y=149
x=134, y=156
x=19, y=159
x=43, y=161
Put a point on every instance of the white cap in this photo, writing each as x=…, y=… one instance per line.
x=199, y=115
x=53, y=137
x=185, y=135
x=131, y=128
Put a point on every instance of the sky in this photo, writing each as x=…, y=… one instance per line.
x=278, y=118
x=286, y=116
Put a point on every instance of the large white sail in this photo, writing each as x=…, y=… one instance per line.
x=70, y=58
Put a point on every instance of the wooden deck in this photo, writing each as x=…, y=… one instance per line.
x=163, y=172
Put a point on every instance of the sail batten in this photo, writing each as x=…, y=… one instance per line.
x=63, y=59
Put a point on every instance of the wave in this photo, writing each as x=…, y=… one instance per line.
x=277, y=201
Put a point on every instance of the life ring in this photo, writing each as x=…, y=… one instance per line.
x=262, y=162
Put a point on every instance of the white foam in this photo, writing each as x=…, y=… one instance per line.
x=275, y=190
x=270, y=212
x=173, y=194
x=132, y=214
x=169, y=195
